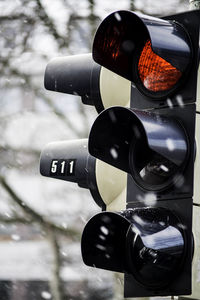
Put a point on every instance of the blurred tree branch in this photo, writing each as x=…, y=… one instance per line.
x=132, y=5
x=50, y=228
x=15, y=220
x=20, y=16
x=35, y=216
x=48, y=22
x=38, y=93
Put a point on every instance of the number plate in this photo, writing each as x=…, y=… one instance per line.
x=62, y=167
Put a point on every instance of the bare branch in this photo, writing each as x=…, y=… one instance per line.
x=132, y=5
x=48, y=22
x=20, y=17
x=15, y=220
x=26, y=151
x=35, y=215
x=60, y=114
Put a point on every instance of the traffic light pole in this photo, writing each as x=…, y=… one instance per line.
x=195, y=4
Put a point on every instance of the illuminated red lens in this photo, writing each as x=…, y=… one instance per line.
x=156, y=73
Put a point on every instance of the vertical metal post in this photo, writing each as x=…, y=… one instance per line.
x=195, y=4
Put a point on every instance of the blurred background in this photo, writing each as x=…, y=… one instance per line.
x=41, y=219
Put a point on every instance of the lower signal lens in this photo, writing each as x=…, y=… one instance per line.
x=155, y=246
x=156, y=74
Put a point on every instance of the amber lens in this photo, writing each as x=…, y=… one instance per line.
x=156, y=73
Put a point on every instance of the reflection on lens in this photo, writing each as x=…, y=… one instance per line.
x=155, y=245
x=150, y=169
x=157, y=170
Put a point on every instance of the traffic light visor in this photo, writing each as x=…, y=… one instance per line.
x=152, y=148
x=103, y=242
x=154, y=53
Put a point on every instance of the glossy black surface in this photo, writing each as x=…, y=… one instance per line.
x=70, y=161
x=103, y=243
x=169, y=40
x=155, y=246
x=121, y=36
x=76, y=75
x=151, y=147
x=145, y=242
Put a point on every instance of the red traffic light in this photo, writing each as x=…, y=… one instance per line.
x=153, y=53
x=156, y=73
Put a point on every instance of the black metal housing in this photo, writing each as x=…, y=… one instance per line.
x=147, y=243
x=121, y=36
x=157, y=143
x=181, y=279
x=55, y=163
x=76, y=75
x=169, y=40
x=154, y=140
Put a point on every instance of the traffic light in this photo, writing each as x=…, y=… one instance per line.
x=70, y=161
x=80, y=75
x=153, y=140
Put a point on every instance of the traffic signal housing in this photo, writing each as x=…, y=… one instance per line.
x=148, y=243
x=154, y=142
x=159, y=55
x=152, y=146
x=148, y=66
x=79, y=75
x=70, y=161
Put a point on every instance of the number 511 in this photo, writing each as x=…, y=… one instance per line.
x=63, y=167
